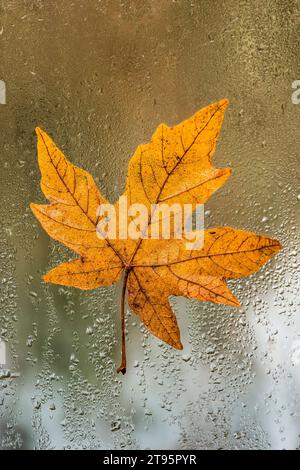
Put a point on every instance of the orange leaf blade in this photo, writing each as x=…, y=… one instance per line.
x=150, y=302
x=176, y=165
x=84, y=274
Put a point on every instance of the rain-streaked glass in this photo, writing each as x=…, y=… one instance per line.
x=99, y=76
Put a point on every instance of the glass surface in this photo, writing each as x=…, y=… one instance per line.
x=99, y=76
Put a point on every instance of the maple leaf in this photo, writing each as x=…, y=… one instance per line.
x=174, y=167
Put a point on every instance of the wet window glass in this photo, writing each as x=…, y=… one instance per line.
x=99, y=77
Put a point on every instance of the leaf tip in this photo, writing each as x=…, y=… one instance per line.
x=277, y=246
x=226, y=172
x=38, y=131
x=224, y=103
x=236, y=303
x=41, y=135
x=46, y=278
x=274, y=245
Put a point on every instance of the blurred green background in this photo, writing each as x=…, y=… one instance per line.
x=99, y=76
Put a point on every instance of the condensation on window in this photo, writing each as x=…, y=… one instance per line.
x=99, y=76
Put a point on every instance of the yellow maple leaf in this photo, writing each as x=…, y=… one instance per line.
x=174, y=167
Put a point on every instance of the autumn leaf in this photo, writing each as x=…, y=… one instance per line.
x=174, y=167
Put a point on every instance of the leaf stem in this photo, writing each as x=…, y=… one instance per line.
x=122, y=367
